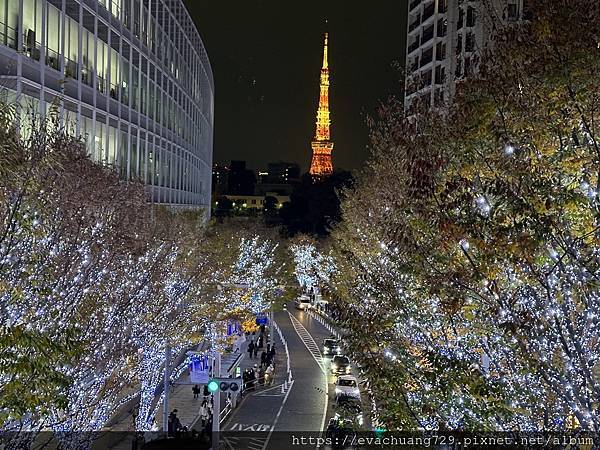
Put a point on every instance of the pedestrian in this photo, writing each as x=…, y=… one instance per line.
x=273, y=350
x=268, y=348
x=255, y=351
x=263, y=359
x=261, y=375
x=252, y=376
x=251, y=348
x=260, y=341
x=196, y=391
x=244, y=381
x=174, y=425
x=269, y=374
x=204, y=412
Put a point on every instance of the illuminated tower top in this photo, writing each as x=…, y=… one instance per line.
x=322, y=146
x=323, y=122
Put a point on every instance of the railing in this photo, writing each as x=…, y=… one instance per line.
x=8, y=36
x=71, y=68
x=87, y=76
x=101, y=84
x=52, y=59
x=114, y=91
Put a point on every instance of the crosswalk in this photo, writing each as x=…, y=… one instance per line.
x=308, y=342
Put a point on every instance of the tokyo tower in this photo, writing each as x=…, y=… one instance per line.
x=322, y=146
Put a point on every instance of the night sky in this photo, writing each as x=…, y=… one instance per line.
x=266, y=56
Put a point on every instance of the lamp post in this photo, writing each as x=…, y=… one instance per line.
x=166, y=387
x=216, y=419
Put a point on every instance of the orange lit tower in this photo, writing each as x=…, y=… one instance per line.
x=322, y=165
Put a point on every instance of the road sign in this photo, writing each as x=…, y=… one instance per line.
x=261, y=319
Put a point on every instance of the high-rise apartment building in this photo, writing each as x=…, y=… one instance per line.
x=131, y=77
x=443, y=42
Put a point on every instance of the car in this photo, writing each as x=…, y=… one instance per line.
x=340, y=364
x=302, y=302
x=346, y=386
x=349, y=411
x=331, y=347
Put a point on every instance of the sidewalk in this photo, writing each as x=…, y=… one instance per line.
x=188, y=407
x=253, y=405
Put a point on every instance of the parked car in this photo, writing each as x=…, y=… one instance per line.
x=346, y=386
x=340, y=364
x=302, y=302
x=331, y=347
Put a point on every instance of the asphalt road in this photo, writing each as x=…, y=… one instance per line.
x=260, y=421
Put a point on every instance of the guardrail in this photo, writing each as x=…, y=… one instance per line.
x=287, y=356
x=322, y=317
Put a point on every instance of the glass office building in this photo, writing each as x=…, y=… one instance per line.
x=131, y=77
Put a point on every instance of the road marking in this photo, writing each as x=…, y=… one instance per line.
x=253, y=443
x=250, y=427
x=262, y=393
x=278, y=414
x=309, y=343
x=307, y=339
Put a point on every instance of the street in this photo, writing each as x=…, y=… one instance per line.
x=304, y=405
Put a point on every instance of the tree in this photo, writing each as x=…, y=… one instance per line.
x=473, y=268
x=95, y=281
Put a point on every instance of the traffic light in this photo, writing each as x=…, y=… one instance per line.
x=224, y=385
x=213, y=386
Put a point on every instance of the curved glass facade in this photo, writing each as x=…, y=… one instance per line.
x=131, y=77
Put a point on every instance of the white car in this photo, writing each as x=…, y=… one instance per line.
x=302, y=302
x=346, y=386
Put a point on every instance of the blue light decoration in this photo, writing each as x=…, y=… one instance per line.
x=233, y=327
x=199, y=366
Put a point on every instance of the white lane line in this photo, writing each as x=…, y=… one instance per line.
x=306, y=337
x=278, y=414
x=309, y=343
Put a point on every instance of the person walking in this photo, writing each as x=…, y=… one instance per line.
x=204, y=412
x=261, y=375
x=263, y=359
x=255, y=349
x=174, y=424
x=196, y=391
x=250, y=348
x=269, y=374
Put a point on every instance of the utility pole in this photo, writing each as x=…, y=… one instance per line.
x=166, y=387
x=216, y=424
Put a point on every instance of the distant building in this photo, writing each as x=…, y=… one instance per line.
x=220, y=177
x=250, y=204
x=282, y=172
x=444, y=39
x=263, y=177
x=240, y=180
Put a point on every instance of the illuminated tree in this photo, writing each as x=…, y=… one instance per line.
x=95, y=282
x=471, y=273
